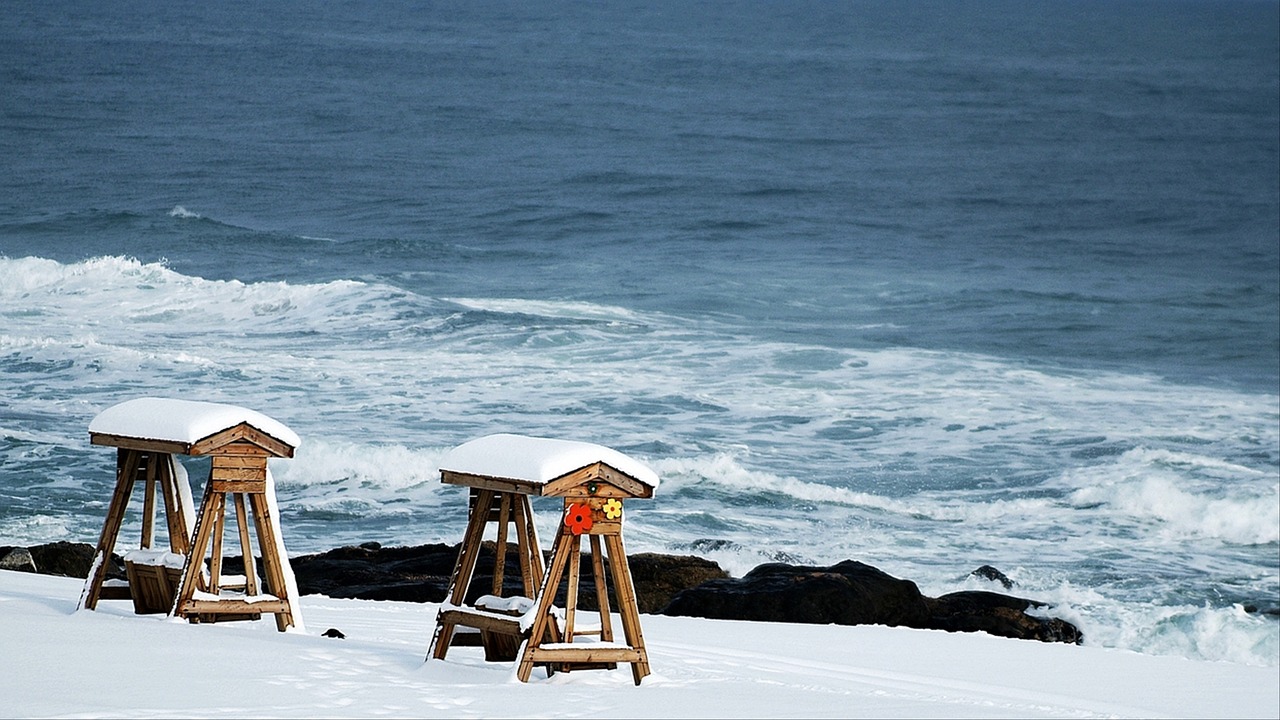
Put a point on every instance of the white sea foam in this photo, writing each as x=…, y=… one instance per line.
x=180, y=212
x=1171, y=489
x=552, y=309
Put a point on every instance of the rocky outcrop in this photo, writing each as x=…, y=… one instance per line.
x=847, y=593
x=422, y=573
x=57, y=558
x=17, y=558
x=659, y=578
x=997, y=614
x=372, y=572
x=853, y=593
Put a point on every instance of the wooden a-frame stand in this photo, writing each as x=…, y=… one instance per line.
x=148, y=433
x=593, y=491
x=238, y=474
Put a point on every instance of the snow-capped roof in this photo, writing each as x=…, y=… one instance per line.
x=537, y=460
x=184, y=421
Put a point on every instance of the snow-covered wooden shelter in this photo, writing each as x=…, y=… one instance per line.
x=148, y=433
x=504, y=471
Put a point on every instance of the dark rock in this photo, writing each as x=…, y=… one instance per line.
x=852, y=593
x=422, y=574
x=658, y=578
x=71, y=560
x=996, y=614
x=848, y=593
x=372, y=572
x=989, y=573
x=17, y=558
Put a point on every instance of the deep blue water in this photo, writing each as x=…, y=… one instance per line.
x=926, y=284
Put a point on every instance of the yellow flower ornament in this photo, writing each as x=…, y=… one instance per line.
x=612, y=509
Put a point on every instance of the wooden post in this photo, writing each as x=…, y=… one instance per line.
x=149, y=503
x=246, y=552
x=126, y=467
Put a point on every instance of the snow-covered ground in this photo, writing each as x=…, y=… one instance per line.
x=112, y=663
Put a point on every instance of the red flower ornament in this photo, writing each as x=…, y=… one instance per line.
x=578, y=518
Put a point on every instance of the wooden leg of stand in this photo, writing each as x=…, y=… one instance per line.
x=126, y=464
x=272, y=563
x=179, y=533
x=530, y=555
x=500, y=547
x=246, y=547
x=627, y=609
x=149, y=502
x=195, y=559
x=468, y=554
x=219, y=529
x=602, y=590
x=571, y=594
x=546, y=596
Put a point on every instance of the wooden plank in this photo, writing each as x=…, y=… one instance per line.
x=258, y=474
x=500, y=547
x=246, y=487
x=257, y=460
x=605, y=527
x=144, y=444
x=116, y=592
x=571, y=592
x=482, y=620
x=496, y=484
x=586, y=653
x=219, y=533
x=175, y=516
x=530, y=555
x=228, y=606
x=240, y=448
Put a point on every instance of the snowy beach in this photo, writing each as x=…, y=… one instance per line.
x=112, y=663
x=930, y=285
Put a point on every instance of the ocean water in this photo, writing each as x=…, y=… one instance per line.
x=929, y=285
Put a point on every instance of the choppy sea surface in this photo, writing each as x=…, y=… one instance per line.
x=929, y=285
